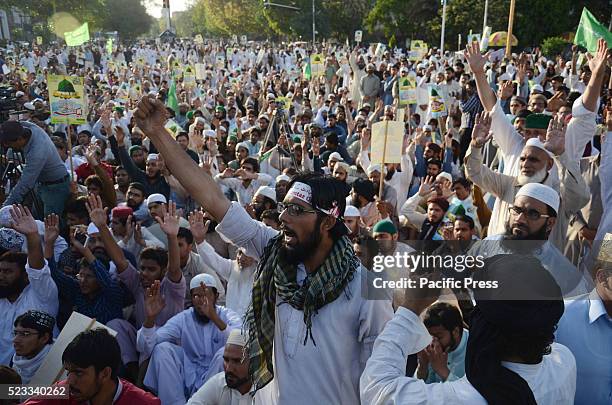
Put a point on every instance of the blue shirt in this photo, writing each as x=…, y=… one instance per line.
x=586, y=329
x=456, y=363
x=42, y=163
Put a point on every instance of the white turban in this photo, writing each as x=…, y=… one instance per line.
x=536, y=143
x=542, y=193
x=351, y=211
x=207, y=279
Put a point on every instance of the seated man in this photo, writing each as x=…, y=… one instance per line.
x=92, y=361
x=444, y=358
x=187, y=350
x=233, y=385
x=33, y=333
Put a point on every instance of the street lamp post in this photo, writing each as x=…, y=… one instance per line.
x=443, y=26
x=314, y=29
x=484, y=19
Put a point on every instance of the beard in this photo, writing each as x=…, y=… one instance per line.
x=15, y=288
x=132, y=204
x=294, y=255
x=233, y=381
x=203, y=319
x=387, y=247
x=524, y=244
x=259, y=209
x=538, y=177
x=355, y=202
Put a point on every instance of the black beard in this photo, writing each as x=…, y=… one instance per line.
x=295, y=255
x=355, y=202
x=235, y=382
x=203, y=319
x=259, y=209
x=524, y=244
x=15, y=288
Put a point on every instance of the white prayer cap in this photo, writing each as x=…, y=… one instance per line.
x=283, y=177
x=550, y=63
x=542, y=193
x=427, y=128
x=209, y=133
x=19, y=94
x=342, y=165
x=236, y=337
x=271, y=96
x=505, y=77
x=446, y=176
x=222, y=128
x=92, y=229
x=351, y=211
x=538, y=88
x=266, y=192
x=29, y=106
x=200, y=120
x=335, y=156
x=374, y=168
x=536, y=143
x=153, y=157
x=403, y=69
x=156, y=198
x=242, y=145
x=5, y=217
x=207, y=279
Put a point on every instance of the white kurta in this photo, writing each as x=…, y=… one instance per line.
x=40, y=294
x=239, y=281
x=553, y=381
x=344, y=331
x=216, y=392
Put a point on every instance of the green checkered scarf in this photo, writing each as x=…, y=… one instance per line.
x=276, y=277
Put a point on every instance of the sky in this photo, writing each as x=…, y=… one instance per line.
x=154, y=6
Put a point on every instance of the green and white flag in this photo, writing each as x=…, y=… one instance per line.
x=109, y=46
x=172, y=100
x=590, y=30
x=77, y=37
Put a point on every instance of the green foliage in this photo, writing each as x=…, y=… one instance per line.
x=128, y=17
x=553, y=46
x=404, y=18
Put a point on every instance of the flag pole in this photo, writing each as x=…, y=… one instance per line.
x=382, y=165
x=510, y=24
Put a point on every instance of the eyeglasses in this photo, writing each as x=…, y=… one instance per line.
x=532, y=214
x=294, y=210
x=24, y=333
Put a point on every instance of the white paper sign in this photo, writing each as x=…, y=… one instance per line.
x=395, y=136
x=358, y=36
x=200, y=71
x=52, y=370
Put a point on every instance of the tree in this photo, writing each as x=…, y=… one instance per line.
x=404, y=18
x=229, y=17
x=128, y=17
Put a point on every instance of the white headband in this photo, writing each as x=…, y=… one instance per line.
x=301, y=191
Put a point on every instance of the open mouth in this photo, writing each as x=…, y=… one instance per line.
x=289, y=237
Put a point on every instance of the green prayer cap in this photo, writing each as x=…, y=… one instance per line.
x=220, y=108
x=384, y=226
x=297, y=139
x=234, y=165
x=134, y=149
x=537, y=121
x=189, y=115
x=119, y=109
x=232, y=138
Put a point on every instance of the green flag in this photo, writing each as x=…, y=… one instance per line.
x=109, y=46
x=78, y=36
x=590, y=30
x=172, y=101
x=266, y=155
x=307, y=70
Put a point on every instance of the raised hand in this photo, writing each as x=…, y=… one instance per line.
x=151, y=115
x=206, y=302
x=426, y=186
x=365, y=140
x=153, y=300
x=91, y=155
x=97, y=213
x=474, y=58
x=169, y=220
x=22, y=220
x=198, y=227
x=597, y=63
x=119, y=135
x=556, y=102
x=316, y=147
x=51, y=229
x=555, y=136
x=506, y=90
x=482, y=130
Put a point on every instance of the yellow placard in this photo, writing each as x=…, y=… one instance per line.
x=407, y=89
x=317, y=67
x=67, y=99
x=394, y=131
x=189, y=77
x=39, y=40
x=418, y=50
x=200, y=71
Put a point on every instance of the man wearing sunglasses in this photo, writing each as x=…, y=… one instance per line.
x=308, y=318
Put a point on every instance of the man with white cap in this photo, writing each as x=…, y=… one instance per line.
x=154, y=204
x=188, y=349
x=532, y=217
x=264, y=199
x=352, y=219
x=232, y=386
x=536, y=162
x=370, y=85
x=280, y=186
x=244, y=181
x=331, y=162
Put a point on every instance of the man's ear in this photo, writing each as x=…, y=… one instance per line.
x=328, y=223
x=550, y=222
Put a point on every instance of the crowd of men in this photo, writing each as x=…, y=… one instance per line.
x=226, y=229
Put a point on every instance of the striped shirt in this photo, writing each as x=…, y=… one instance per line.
x=472, y=107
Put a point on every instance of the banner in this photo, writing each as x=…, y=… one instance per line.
x=198, y=39
x=200, y=71
x=418, y=50
x=243, y=40
x=189, y=77
x=358, y=36
x=394, y=132
x=220, y=62
x=177, y=70
x=407, y=89
x=590, y=30
x=109, y=46
x=67, y=99
x=78, y=36
x=317, y=68
x=436, y=103
x=39, y=40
